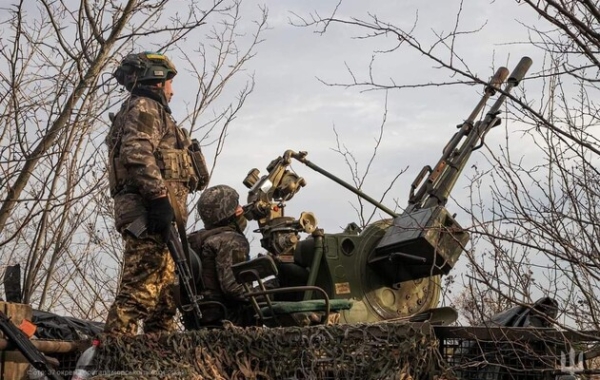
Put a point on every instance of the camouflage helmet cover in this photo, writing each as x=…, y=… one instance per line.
x=217, y=204
x=137, y=68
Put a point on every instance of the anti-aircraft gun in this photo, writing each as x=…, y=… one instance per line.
x=392, y=267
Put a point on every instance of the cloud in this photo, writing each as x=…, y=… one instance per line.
x=291, y=109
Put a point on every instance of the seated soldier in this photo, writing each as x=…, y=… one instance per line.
x=220, y=245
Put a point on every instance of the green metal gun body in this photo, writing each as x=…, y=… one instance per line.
x=23, y=344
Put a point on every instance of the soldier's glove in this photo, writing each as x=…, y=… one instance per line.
x=160, y=215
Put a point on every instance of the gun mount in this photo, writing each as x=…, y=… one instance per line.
x=392, y=268
x=337, y=263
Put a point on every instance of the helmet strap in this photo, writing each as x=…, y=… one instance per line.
x=152, y=92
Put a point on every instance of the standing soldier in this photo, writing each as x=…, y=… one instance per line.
x=153, y=165
x=220, y=245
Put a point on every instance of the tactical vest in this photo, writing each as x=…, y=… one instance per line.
x=212, y=287
x=185, y=163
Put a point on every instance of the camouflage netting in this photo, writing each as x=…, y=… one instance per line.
x=359, y=351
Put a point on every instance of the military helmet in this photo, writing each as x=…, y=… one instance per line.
x=139, y=68
x=217, y=204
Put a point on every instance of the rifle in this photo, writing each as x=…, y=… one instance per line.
x=185, y=275
x=178, y=253
x=425, y=240
x=31, y=353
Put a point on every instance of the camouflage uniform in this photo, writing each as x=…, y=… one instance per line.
x=220, y=245
x=143, y=127
x=146, y=289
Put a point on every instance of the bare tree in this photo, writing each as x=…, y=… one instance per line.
x=533, y=217
x=545, y=212
x=56, y=93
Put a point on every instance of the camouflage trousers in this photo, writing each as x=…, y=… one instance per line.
x=146, y=290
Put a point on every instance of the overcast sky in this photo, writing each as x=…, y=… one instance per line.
x=291, y=109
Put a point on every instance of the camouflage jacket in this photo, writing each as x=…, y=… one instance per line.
x=139, y=130
x=218, y=253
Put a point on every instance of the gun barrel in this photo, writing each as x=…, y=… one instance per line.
x=438, y=185
x=496, y=81
x=519, y=72
x=515, y=78
x=490, y=90
x=422, y=197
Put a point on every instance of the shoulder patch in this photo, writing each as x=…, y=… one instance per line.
x=145, y=122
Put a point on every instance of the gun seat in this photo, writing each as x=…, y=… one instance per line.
x=271, y=313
